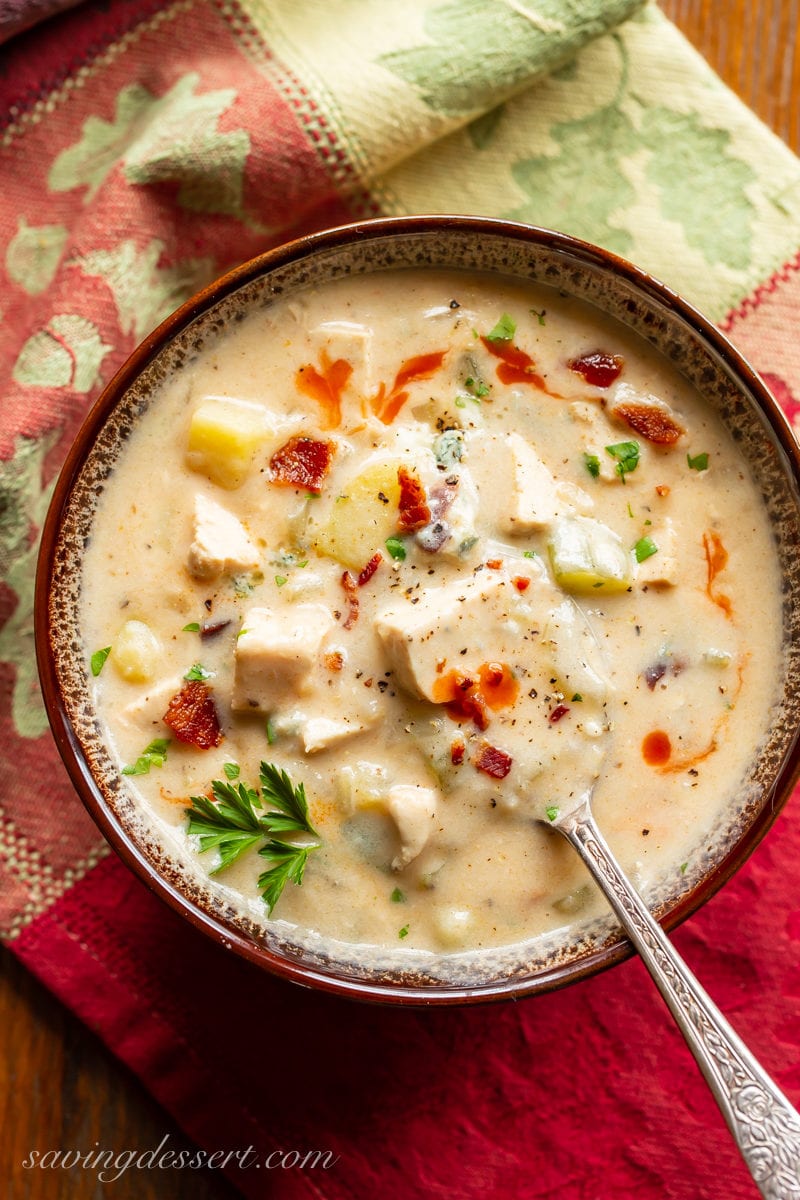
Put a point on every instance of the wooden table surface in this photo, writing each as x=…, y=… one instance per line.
x=59, y=1086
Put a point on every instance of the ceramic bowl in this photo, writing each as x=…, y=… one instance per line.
x=520, y=253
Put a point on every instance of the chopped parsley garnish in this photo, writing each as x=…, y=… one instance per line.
x=397, y=548
x=198, y=672
x=577, y=698
x=551, y=812
x=272, y=735
x=153, y=755
x=541, y=315
x=630, y=512
x=529, y=554
x=280, y=580
x=231, y=770
x=684, y=867
x=460, y=402
x=397, y=897
x=645, y=548
x=697, y=463
x=98, y=660
x=476, y=387
x=192, y=627
x=504, y=330
x=403, y=933
x=592, y=464
x=627, y=456
x=234, y=822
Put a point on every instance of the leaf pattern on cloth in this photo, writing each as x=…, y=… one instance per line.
x=702, y=184
x=172, y=138
x=582, y=188
x=23, y=504
x=33, y=255
x=479, y=48
x=144, y=293
x=68, y=352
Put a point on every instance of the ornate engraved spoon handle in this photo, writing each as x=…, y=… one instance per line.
x=765, y=1126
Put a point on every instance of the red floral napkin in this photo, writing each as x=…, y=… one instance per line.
x=145, y=148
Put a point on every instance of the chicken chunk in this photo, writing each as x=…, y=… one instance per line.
x=413, y=810
x=532, y=498
x=220, y=544
x=660, y=568
x=276, y=654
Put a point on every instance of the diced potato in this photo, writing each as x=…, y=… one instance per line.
x=587, y=556
x=224, y=436
x=453, y=926
x=363, y=786
x=361, y=518
x=135, y=652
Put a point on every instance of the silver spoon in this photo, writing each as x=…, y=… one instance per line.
x=764, y=1125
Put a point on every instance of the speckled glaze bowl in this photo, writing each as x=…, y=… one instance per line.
x=520, y=253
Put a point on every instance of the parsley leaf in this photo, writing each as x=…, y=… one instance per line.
x=403, y=933
x=645, y=548
x=504, y=330
x=397, y=548
x=288, y=865
x=234, y=821
x=541, y=315
x=98, y=660
x=476, y=387
x=197, y=672
x=551, y=812
x=153, y=755
x=627, y=456
x=698, y=463
x=192, y=627
x=592, y=464
x=397, y=897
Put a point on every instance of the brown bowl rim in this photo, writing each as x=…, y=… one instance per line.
x=64, y=734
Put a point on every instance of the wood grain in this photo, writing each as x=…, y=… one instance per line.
x=59, y=1087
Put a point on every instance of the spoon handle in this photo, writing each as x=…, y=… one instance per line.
x=765, y=1126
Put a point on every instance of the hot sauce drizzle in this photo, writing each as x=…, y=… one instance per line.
x=469, y=697
x=326, y=386
x=516, y=366
x=717, y=559
x=385, y=405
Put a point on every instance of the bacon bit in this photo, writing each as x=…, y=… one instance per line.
x=326, y=386
x=302, y=462
x=558, y=712
x=517, y=366
x=716, y=558
x=414, y=510
x=598, y=368
x=192, y=716
x=662, y=490
x=656, y=748
x=334, y=661
x=653, y=673
x=457, y=753
x=494, y=564
x=651, y=422
x=522, y=583
x=493, y=762
x=369, y=570
x=423, y=366
x=210, y=629
x=351, y=592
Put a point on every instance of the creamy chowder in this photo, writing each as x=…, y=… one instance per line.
x=448, y=552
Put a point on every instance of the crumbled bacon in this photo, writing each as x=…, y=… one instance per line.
x=457, y=753
x=522, y=583
x=494, y=564
x=662, y=490
x=334, y=660
x=192, y=716
x=413, y=505
x=351, y=592
x=493, y=762
x=302, y=462
x=653, y=423
x=558, y=712
x=597, y=368
x=369, y=570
